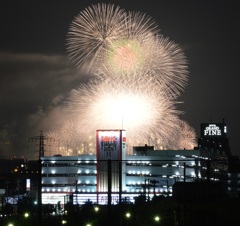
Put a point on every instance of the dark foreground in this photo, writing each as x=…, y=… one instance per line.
x=161, y=211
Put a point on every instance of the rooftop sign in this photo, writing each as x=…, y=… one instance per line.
x=213, y=130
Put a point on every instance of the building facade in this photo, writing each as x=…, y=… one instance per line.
x=112, y=173
x=150, y=173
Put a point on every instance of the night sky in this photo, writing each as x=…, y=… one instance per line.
x=36, y=74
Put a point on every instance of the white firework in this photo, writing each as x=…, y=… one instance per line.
x=187, y=136
x=155, y=58
x=167, y=65
x=92, y=30
x=138, y=107
x=139, y=75
x=98, y=26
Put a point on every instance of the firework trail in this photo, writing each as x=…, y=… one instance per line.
x=139, y=75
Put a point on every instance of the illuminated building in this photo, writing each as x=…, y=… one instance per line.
x=214, y=140
x=146, y=172
x=111, y=146
x=153, y=173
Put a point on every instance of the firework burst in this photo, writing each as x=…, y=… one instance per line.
x=98, y=26
x=155, y=58
x=187, y=136
x=138, y=107
x=92, y=31
x=139, y=75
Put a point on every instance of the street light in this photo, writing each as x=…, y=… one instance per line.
x=64, y=222
x=156, y=218
x=128, y=215
x=96, y=208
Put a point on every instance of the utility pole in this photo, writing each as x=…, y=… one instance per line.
x=120, y=181
x=109, y=163
x=41, y=138
x=147, y=188
x=154, y=182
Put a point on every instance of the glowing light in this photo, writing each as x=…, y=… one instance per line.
x=157, y=218
x=128, y=215
x=64, y=222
